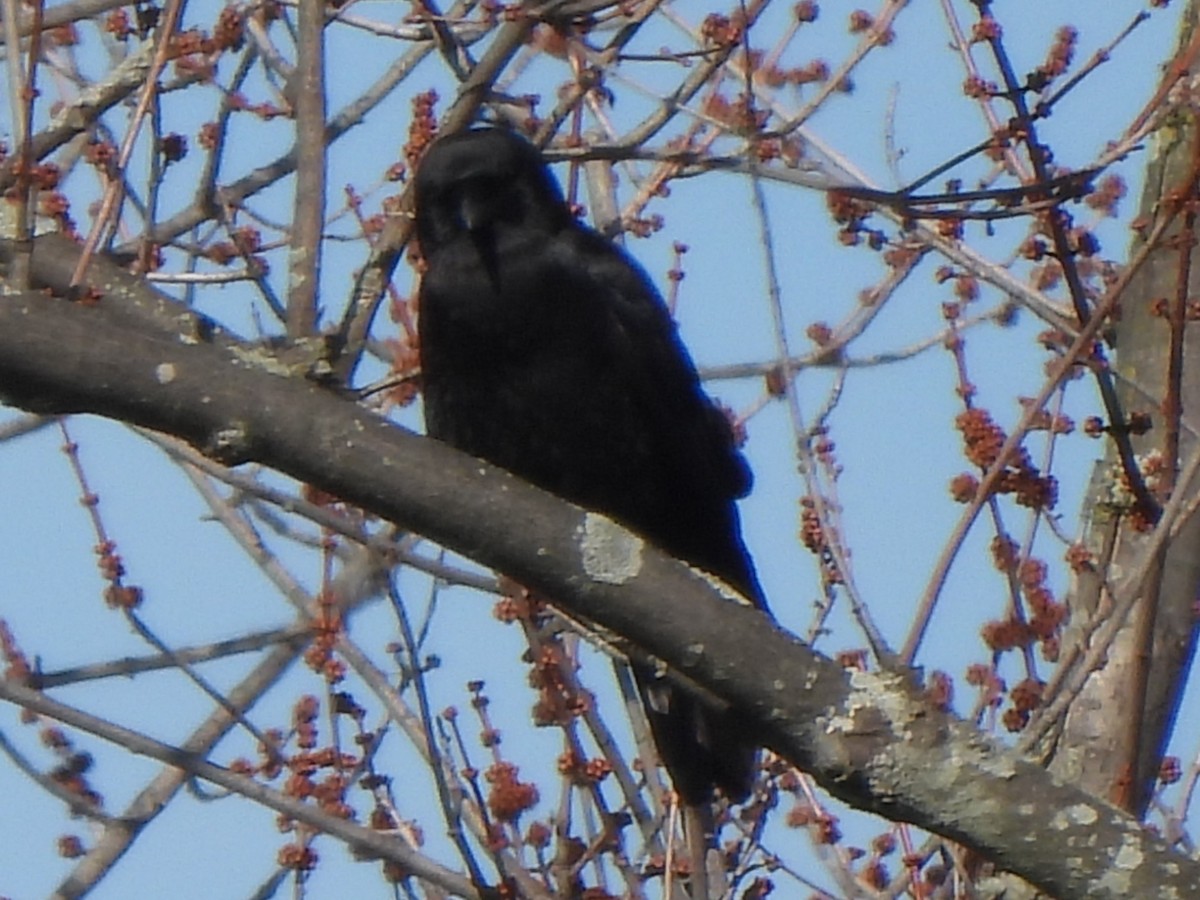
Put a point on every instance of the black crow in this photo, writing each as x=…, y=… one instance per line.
x=546, y=350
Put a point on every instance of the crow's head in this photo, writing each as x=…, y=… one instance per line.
x=478, y=182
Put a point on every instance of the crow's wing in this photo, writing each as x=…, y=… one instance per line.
x=660, y=370
x=698, y=473
x=695, y=461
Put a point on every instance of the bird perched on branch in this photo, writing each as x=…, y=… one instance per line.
x=547, y=351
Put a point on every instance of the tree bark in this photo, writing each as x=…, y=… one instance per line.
x=1114, y=735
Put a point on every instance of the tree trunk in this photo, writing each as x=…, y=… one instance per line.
x=1114, y=735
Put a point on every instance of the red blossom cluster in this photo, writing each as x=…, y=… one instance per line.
x=775, y=382
x=852, y=214
x=582, y=771
x=803, y=815
x=327, y=627
x=860, y=21
x=196, y=53
x=819, y=333
x=1080, y=559
x=297, y=857
x=123, y=596
x=327, y=793
x=1047, y=615
x=963, y=487
x=560, y=699
x=740, y=115
x=117, y=24
x=875, y=874
x=977, y=88
x=404, y=369
x=71, y=772
x=519, y=604
x=789, y=149
x=1044, y=618
x=1026, y=697
x=720, y=30
x=1083, y=241
x=270, y=759
x=1006, y=634
x=847, y=210
x=813, y=72
x=243, y=242
x=812, y=536
x=538, y=835
x=43, y=176
x=70, y=847
x=966, y=288
x=265, y=110
x=112, y=570
x=824, y=449
x=900, y=257
x=509, y=796
x=304, y=721
x=230, y=31
x=989, y=683
x=1110, y=190
x=759, y=889
x=852, y=660
x=100, y=153
x=1058, y=59
x=983, y=440
x=950, y=229
x=986, y=29
x=173, y=147
x=1004, y=553
x=208, y=135
x=422, y=130
x=516, y=607
x=644, y=226
x=16, y=664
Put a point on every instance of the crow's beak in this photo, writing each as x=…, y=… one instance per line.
x=476, y=216
x=476, y=211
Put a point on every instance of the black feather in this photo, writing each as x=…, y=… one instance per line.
x=547, y=351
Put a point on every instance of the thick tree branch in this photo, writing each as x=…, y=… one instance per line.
x=868, y=738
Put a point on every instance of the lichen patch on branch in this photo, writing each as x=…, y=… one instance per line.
x=610, y=554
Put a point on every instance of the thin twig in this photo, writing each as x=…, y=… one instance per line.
x=109, y=212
